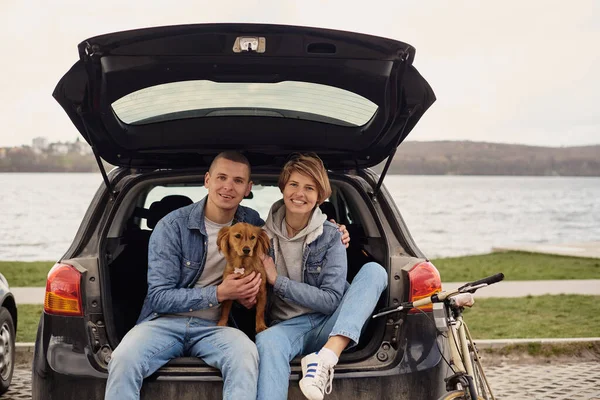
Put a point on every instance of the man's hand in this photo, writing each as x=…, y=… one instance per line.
x=236, y=287
x=248, y=302
x=270, y=269
x=345, y=234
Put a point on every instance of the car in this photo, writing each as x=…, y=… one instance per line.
x=158, y=104
x=8, y=331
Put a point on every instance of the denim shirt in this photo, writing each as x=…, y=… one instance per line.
x=176, y=257
x=324, y=270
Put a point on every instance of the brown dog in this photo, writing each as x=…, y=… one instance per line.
x=242, y=245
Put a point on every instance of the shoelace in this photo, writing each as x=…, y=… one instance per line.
x=325, y=377
x=329, y=386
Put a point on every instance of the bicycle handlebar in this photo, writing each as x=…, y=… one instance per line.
x=441, y=296
x=487, y=281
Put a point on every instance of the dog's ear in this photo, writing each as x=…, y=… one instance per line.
x=223, y=240
x=263, y=243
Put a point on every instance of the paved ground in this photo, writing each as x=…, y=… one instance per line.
x=546, y=381
x=29, y=295
x=534, y=288
x=20, y=387
x=510, y=382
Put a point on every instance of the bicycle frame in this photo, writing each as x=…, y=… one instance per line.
x=463, y=358
x=457, y=329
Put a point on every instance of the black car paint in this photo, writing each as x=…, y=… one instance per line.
x=395, y=383
x=71, y=353
x=66, y=356
x=117, y=64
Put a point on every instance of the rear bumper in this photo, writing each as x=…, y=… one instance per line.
x=413, y=386
x=423, y=346
x=64, y=371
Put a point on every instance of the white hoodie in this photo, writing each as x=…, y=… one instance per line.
x=288, y=254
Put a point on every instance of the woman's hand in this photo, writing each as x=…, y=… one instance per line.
x=270, y=269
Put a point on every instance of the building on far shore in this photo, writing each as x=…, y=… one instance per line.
x=59, y=148
x=81, y=147
x=39, y=145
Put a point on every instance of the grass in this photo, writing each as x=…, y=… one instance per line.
x=28, y=317
x=25, y=273
x=517, y=266
x=549, y=316
x=494, y=318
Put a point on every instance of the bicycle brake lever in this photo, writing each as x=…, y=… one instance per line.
x=393, y=310
x=471, y=289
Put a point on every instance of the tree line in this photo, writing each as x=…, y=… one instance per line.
x=479, y=158
x=412, y=158
x=24, y=159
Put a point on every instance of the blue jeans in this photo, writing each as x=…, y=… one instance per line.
x=151, y=344
x=279, y=344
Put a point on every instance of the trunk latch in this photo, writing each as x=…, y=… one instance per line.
x=249, y=44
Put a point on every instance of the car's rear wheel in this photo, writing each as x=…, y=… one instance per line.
x=7, y=349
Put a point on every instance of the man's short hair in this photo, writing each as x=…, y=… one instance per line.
x=232, y=156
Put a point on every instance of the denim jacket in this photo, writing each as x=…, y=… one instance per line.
x=324, y=270
x=176, y=256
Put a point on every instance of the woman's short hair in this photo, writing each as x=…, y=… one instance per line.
x=311, y=166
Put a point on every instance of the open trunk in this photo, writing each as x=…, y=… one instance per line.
x=149, y=199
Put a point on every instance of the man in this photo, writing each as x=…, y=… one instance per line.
x=185, y=289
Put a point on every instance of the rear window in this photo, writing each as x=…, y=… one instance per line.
x=262, y=199
x=201, y=98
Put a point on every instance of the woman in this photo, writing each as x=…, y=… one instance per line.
x=314, y=310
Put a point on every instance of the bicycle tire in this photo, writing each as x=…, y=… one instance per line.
x=479, y=379
x=479, y=382
x=457, y=395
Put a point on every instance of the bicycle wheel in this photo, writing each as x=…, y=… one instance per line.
x=481, y=382
x=457, y=395
x=479, y=379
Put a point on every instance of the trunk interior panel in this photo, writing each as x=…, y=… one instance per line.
x=127, y=255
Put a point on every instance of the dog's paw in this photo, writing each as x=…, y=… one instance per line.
x=260, y=328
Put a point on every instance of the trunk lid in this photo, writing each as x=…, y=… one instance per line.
x=173, y=97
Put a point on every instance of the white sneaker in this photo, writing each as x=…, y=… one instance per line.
x=317, y=377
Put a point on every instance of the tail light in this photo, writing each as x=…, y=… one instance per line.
x=63, y=291
x=424, y=281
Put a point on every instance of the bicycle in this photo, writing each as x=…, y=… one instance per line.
x=468, y=381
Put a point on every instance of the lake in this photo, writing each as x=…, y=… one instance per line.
x=447, y=215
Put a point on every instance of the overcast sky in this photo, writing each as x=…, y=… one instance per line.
x=503, y=71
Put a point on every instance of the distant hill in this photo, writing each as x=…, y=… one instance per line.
x=481, y=158
x=412, y=158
